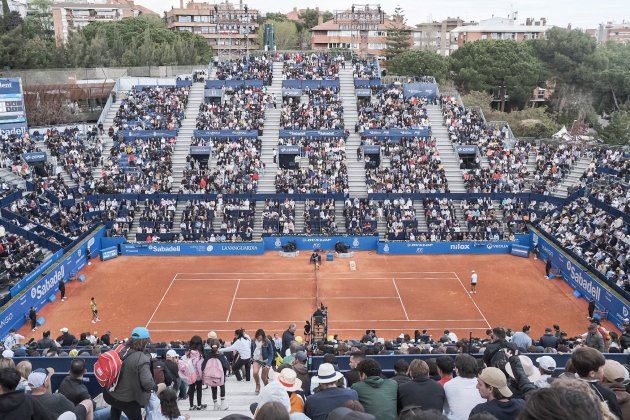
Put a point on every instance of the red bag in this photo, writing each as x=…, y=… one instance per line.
x=107, y=368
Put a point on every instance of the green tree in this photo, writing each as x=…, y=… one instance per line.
x=311, y=17
x=618, y=129
x=612, y=84
x=497, y=66
x=287, y=36
x=41, y=12
x=277, y=17
x=419, y=63
x=398, y=34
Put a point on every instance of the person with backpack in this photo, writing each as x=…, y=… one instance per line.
x=194, y=356
x=133, y=383
x=243, y=347
x=262, y=355
x=214, y=374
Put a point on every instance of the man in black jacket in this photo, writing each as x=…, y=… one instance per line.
x=18, y=405
x=548, y=340
x=287, y=337
x=624, y=340
x=46, y=342
x=421, y=391
x=66, y=338
x=491, y=355
x=73, y=388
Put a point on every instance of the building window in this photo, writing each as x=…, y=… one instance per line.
x=184, y=19
x=541, y=93
x=185, y=28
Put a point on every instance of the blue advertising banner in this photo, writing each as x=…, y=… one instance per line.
x=14, y=314
x=467, y=150
x=10, y=86
x=397, y=133
x=147, y=134
x=34, y=157
x=225, y=134
x=426, y=248
x=294, y=93
x=363, y=92
x=284, y=134
x=199, y=150
x=28, y=279
x=372, y=150
x=309, y=243
x=582, y=281
x=420, y=89
x=109, y=253
x=19, y=129
x=289, y=150
x=178, y=249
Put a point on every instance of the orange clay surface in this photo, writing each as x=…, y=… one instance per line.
x=178, y=297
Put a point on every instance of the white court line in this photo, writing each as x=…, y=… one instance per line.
x=308, y=298
x=233, y=299
x=451, y=328
x=161, y=300
x=272, y=279
x=399, y=298
x=474, y=303
x=329, y=278
x=331, y=321
x=302, y=273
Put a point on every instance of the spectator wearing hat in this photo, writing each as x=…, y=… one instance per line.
x=546, y=367
x=522, y=338
x=274, y=391
x=421, y=390
x=293, y=385
x=179, y=385
x=8, y=354
x=379, y=396
x=329, y=397
x=461, y=391
x=18, y=405
x=57, y=403
x=589, y=365
x=492, y=386
x=548, y=339
x=299, y=366
x=135, y=382
x=74, y=389
x=332, y=359
x=615, y=378
x=66, y=339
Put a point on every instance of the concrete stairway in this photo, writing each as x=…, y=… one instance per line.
x=64, y=174
x=356, y=170
x=107, y=141
x=184, y=135
x=179, y=212
x=12, y=178
x=133, y=228
x=449, y=157
x=299, y=217
x=420, y=217
x=270, y=133
x=339, y=219
x=459, y=215
x=573, y=177
x=258, y=222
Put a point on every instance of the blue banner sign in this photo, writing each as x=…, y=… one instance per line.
x=396, y=133
x=10, y=86
x=147, y=134
x=109, y=253
x=284, y=134
x=289, y=150
x=177, y=249
x=467, y=150
x=582, y=281
x=428, y=90
x=372, y=150
x=309, y=243
x=225, y=134
x=426, y=248
x=294, y=93
x=28, y=279
x=218, y=84
x=37, y=294
x=363, y=92
x=199, y=150
x=213, y=93
x=19, y=129
x=34, y=157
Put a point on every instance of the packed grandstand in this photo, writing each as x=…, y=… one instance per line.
x=285, y=147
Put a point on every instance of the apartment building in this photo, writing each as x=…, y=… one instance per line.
x=434, y=36
x=611, y=31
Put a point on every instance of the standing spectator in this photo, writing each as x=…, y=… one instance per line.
x=262, y=356
x=32, y=316
x=624, y=340
x=243, y=347
x=589, y=366
x=421, y=391
x=445, y=366
x=461, y=391
x=12, y=339
x=548, y=340
x=62, y=289
x=594, y=338
x=329, y=397
x=401, y=367
x=287, y=337
x=135, y=382
x=18, y=405
x=591, y=308
x=195, y=355
x=491, y=355
x=179, y=385
x=614, y=377
x=548, y=268
x=377, y=395
x=214, y=354
x=492, y=386
x=522, y=339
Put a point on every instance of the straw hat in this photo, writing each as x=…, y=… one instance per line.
x=288, y=379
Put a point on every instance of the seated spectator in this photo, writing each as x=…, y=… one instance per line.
x=377, y=395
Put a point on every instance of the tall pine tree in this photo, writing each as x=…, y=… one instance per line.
x=398, y=34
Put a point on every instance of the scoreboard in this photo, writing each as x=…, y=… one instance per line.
x=12, y=110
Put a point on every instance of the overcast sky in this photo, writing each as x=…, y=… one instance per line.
x=580, y=13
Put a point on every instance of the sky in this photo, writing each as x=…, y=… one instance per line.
x=579, y=13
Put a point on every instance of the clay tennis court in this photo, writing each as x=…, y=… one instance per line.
x=177, y=297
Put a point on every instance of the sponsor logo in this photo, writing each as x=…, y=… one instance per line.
x=460, y=246
x=277, y=243
x=164, y=248
x=316, y=245
x=419, y=245
x=585, y=284
x=547, y=250
x=317, y=239
x=419, y=250
x=386, y=248
x=625, y=311
x=497, y=246
x=41, y=290
x=355, y=243
x=239, y=248
x=15, y=130
x=79, y=252
x=90, y=242
x=6, y=85
x=209, y=248
x=4, y=321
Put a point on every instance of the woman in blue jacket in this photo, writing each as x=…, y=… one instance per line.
x=262, y=355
